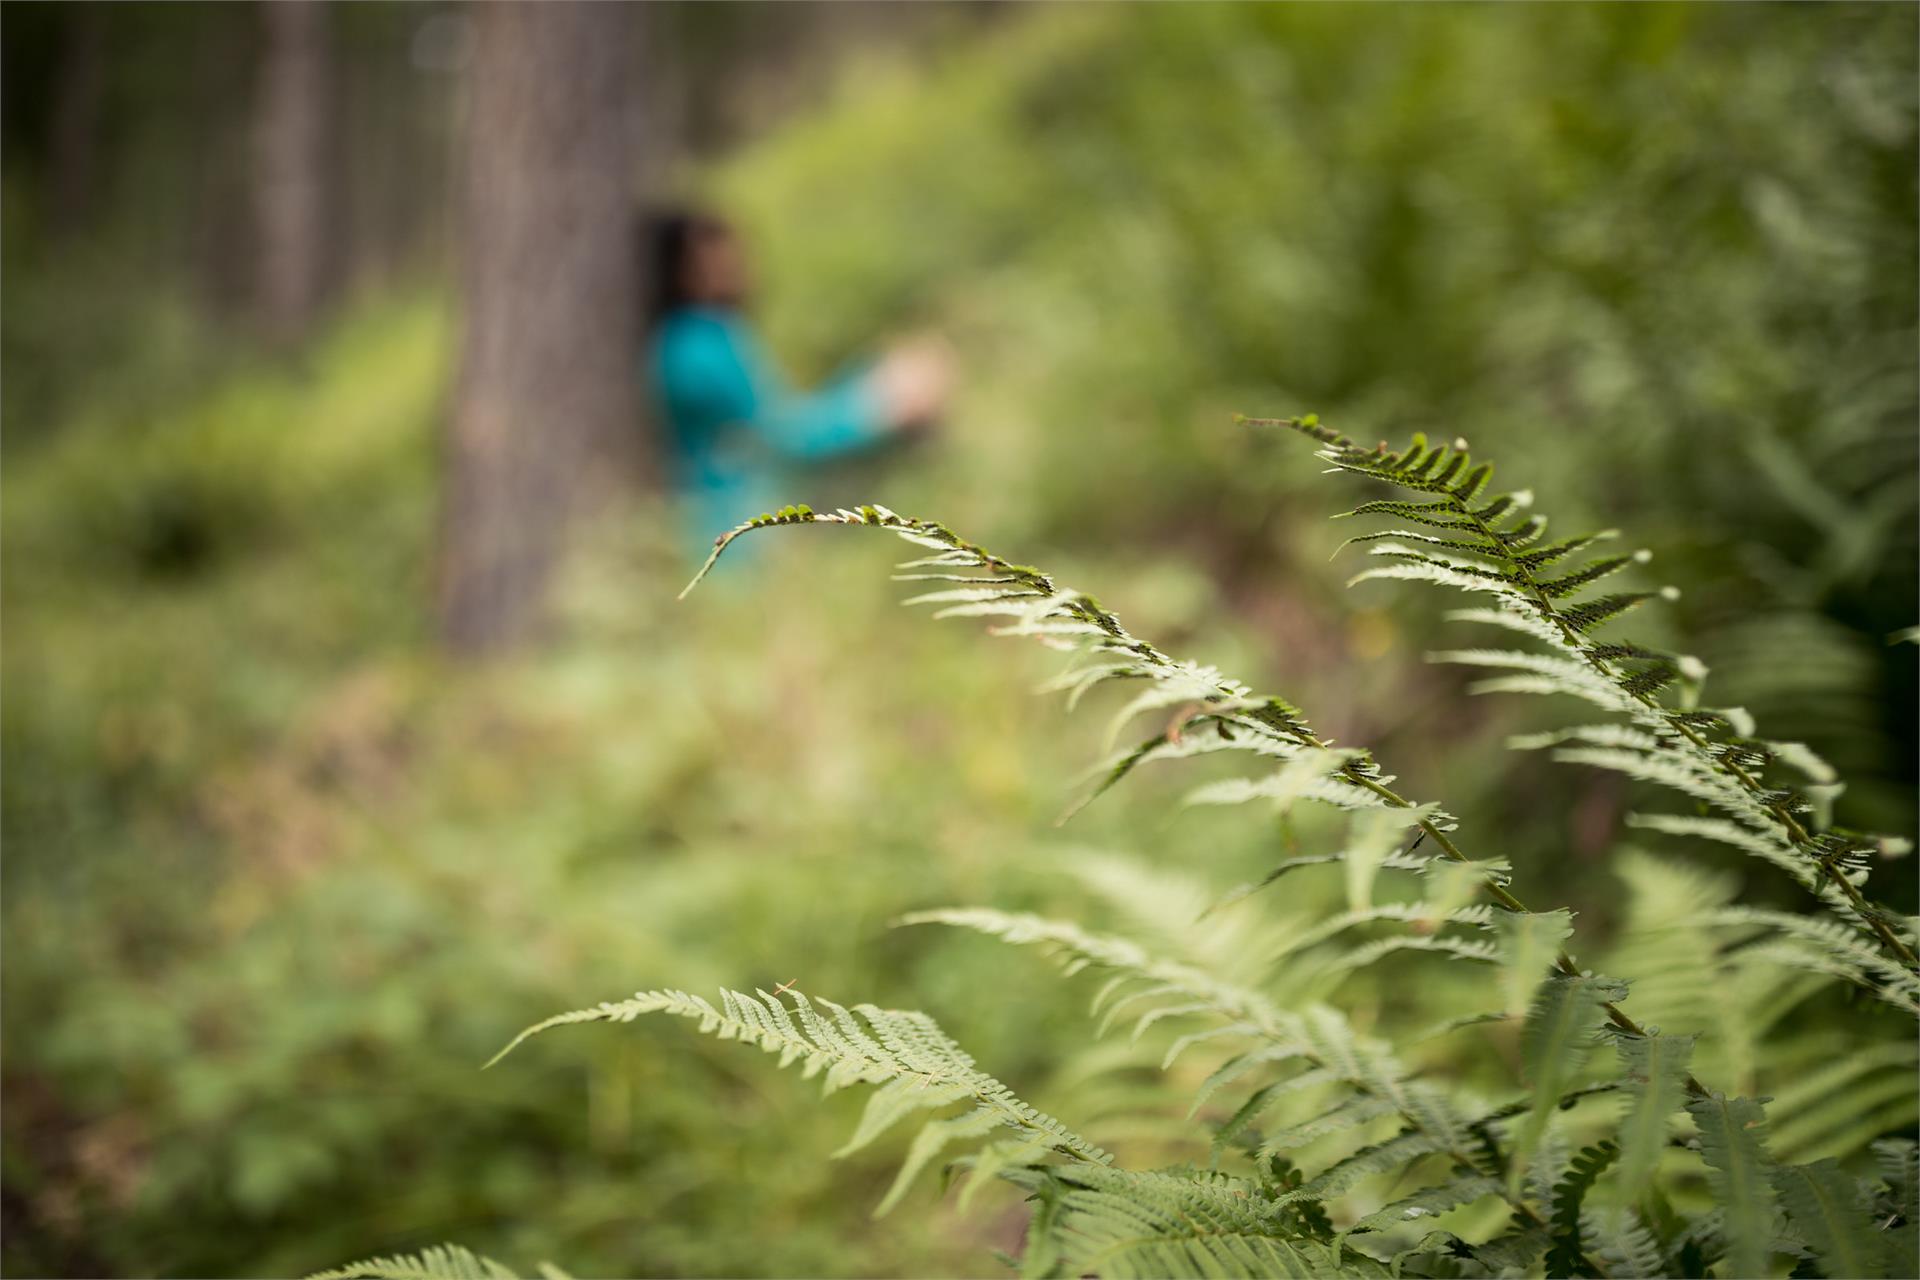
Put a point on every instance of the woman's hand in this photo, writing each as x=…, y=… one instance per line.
x=914, y=380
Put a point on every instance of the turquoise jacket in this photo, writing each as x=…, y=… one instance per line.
x=734, y=424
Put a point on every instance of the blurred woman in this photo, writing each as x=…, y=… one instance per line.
x=733, y=423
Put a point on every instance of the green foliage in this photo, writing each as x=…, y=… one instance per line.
x=1306, y=1080
x=1655, y=1069
x=1732, y=1133
x=1828, y=1209
x=1569, y=1243
x=1656, y=252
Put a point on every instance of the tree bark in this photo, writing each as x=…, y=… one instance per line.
x=293, y=197
x=545, y=407
x=74, y=135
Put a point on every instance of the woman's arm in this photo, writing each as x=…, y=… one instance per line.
x=714, y=375
x=843, y=417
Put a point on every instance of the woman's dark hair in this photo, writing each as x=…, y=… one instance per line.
x=667, y=238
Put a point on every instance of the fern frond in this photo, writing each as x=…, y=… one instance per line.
x=1831, y=947
x=1352, y=1113
x=1899, y=1163
x=1429, y=1202
x=1075, y=949
x=1624, y=1245
x=1073, y=620
x=1529, y=944
x=1759, y=844
x=1425, y=915
x=1656, y=1073
x=1711, y=757
x=1223, y=714
x=1562, y=675
x=1569, y=1194
x=1732, y=1142
x=441, y=1262
x=1226, y=714
x=1390, y=1156
x=1559, y=1032
x=916, y=1065
x=1845, y=1103
x=1516, y=1251
x=1402, y=861
x=1827, y=1210
x=1121, y=1224
x=1318, y=1038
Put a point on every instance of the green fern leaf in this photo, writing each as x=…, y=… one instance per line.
x=1732, y=1141
x=1656, y=1075
x=1516, y=1251
x=1623, y=1245
x=1899, y=1161
x=1561, y=1024
x=934, y=1137
x=1824, y=1206
x=1840, y=1107
x=1391, y=1156
x=1075, y=947
x=1837, y=948
x=1567, y=1256
x=1239, y=1065
x=1349, y=1114
x=1762, y=844
x=1439, y=1253
x=1530, y=942
x=1433, y=1201
x=441, y=1262
x=1115, y=1223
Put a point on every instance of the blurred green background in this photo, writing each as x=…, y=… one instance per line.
x=279, y=876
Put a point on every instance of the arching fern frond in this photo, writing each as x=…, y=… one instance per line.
x=915, y=1064
x=1489, y=548
x=1222, y=714
x=1077, y=949
x=441, y=1262
x=1824, y=946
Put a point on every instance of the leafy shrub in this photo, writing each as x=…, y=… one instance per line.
x=1601, y=1143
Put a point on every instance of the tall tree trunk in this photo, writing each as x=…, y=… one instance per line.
x=293, y=198
x=544, y=403
x=74, y=134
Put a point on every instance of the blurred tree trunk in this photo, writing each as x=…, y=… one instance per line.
x=292, y=148
x=73, y=142
x=544, y=412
